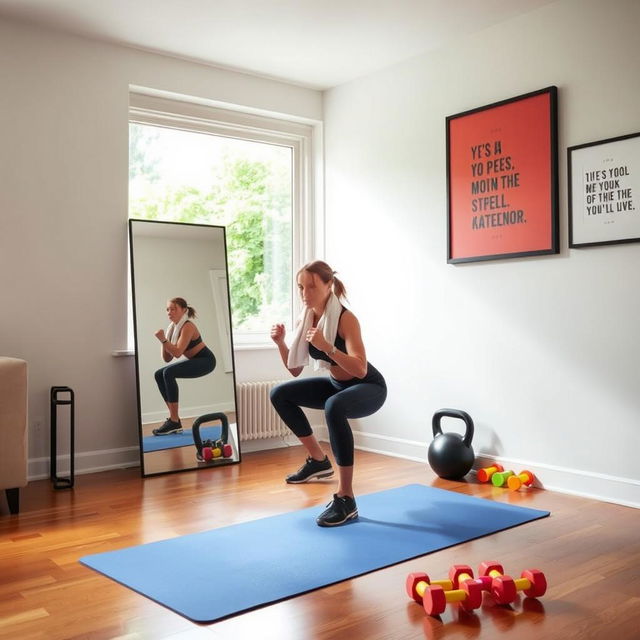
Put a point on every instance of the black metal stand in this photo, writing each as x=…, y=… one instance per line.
x=62, y=483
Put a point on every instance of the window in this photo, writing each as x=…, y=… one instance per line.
x=252, y=174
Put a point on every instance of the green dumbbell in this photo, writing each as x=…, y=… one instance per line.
x=499, y=479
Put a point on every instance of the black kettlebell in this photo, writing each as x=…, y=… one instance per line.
x=450, y=454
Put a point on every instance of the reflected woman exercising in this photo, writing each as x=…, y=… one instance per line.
x=182, y=338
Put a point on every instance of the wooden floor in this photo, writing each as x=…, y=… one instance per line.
x=590, y=552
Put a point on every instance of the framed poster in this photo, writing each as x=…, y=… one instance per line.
x=604, y=187
x=502, y=179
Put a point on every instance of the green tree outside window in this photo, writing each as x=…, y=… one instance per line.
x=250, y=197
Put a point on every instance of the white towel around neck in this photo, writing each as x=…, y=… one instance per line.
x=173, y=330
x=328, y=324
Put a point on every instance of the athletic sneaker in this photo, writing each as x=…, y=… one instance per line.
x=311, y=469
x=339, y=510
x=168, y=427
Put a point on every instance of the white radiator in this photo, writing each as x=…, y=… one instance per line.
x=257, y=419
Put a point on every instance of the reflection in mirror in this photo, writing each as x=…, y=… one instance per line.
x=184, y=353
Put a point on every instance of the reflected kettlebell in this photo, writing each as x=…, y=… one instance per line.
x=450, y=454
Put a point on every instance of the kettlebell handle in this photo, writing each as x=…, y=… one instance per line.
x=453, y=413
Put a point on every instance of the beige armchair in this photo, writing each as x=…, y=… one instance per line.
x=13, y=429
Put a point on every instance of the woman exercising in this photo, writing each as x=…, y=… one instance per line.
x=182, y=338
x=330, y=334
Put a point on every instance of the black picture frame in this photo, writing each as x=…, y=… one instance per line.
x=147, y=272
x=502, y=179
x=604, y=191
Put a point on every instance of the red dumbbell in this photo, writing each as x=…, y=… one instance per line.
x=211, y=453
x=466, y=590
x=524, y=477
x=461, y=575
x=417, y=583
x=504, y=589
x=461, y=572
x=484, y=475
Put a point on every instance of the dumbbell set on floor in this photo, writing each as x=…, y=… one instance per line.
x=504, y=588
x=217, y=449
x=462, y=587
x=499, y=477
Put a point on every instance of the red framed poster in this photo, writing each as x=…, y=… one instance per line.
x=502, y=179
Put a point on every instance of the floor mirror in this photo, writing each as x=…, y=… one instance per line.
x=172, y=264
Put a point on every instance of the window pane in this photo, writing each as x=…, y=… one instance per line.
x=184, y=176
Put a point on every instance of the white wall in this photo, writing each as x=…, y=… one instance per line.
x=63, y=213
x=542, y=352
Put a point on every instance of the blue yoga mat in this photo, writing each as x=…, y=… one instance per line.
x=184, y=439
x=200, y=577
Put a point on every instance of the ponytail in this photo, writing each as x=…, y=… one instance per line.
x=339, y=288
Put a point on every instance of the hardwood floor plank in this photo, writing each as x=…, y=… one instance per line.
x=25, y=616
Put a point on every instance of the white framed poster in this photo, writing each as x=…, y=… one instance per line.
x=604, y=191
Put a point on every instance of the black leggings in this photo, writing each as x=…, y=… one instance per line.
x=202, y=363
x=355, y=398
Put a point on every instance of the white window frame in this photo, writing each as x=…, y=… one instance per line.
x=303, y=138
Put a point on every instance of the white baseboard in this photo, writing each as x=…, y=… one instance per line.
x=188, y=412
x=586, y=484
x=109, y=459
x=576, y=482
x=88, y=462
x=249, y=446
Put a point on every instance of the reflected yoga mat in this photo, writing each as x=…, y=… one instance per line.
x=184, y=439
x=200, y=577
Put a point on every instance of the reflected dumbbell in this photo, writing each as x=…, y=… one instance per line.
x=209, y=453
x=504, y=589
x=218, y=449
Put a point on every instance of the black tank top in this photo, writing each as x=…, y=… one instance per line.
x=339, y=343
x=195, y=342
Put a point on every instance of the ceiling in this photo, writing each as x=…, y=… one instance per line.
x=313, y=43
